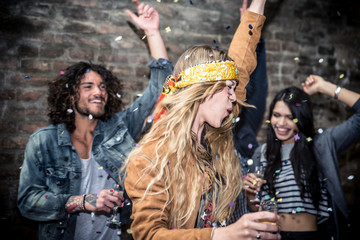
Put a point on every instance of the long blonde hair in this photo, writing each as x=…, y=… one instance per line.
x=177, y=145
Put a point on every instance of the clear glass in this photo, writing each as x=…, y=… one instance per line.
x=259, y=173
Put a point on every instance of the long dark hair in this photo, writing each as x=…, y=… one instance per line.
x=302, y=155
x=63, y=93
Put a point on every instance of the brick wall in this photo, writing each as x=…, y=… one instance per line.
x=40, y=38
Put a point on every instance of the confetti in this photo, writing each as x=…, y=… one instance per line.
x=296, y=58
x=291, y=95
x=274, y=125
x=293, y=211
x=91, y=117
x=187, y=57
x=250, y=146
x=237, y=119
x=62, y=132
x=342, y=76
x=254, y=182
x=168, y=29
x=279, y=200
x=175, y=1
x=211, y=55
x=87, y=70
x=231, y=204
x=159, y=1
x=267, y=121
x=139, y=95
x=320, y=131
x=135, y=109
x=118, y=95
x=227, y=28
x=46, y=196
x=267, y=197
x=277, y=193
x=250, y=26
x=191, y=2
x=321, y=60
x=67, y=85
x=233, y=120
x=304, y=101
x=118, y=38
x=309, y=139
x=69, y=110
x=214, y=41
x=277, y=171
x=296, y=137
x=351, y=177
x=295, y=120
x=62, y=72
x=298, y=209
x=250, y=162
x=329, y=209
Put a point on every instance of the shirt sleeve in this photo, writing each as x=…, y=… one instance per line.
x=137, y=113
x=150, y=217
x=242, y=48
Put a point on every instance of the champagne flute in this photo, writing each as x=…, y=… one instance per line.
x=259, y=173
x=113, y=220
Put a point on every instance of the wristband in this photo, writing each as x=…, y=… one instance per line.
x=336, y=93
x=83, y=202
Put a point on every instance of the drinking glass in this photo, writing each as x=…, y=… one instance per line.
x=114, y=220
x=259, y=173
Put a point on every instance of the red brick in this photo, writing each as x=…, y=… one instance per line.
x=7, y=94
x=7, y=126
x=29, y=95
x=32, y=127
x=35, y=65
x=14, y=142
x=82, y=54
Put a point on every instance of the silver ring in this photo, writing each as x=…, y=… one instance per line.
x=258, y=236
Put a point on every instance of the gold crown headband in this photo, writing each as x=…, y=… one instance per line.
x=208, y=72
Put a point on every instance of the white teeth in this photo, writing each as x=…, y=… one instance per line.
x=96, y=101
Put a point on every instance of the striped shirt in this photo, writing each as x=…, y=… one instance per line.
x=287, y=192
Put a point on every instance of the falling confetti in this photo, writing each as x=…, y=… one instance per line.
x=250, y=26
x=320, y=131
x=87, y=70
x=62, y=72
x=233, y=120
x=296, y=137
x=250, y=162
x=321, y=60
x=296, y=58
x=69, y=110
x=279, y=200
x=250, y=146
x=237, y=119
x=309, y=139
x=351, y=177
x=267, y=121
x=118, y=38
x=342, y=76
x=118, y=95
x=291, y=95
x=298, y=209
x=135, y=109
x=211, y=55
x=295, y=120
x=67, y=85
x=168, y=29
x=91, y=117
x=191, y=2
x=231, y=204
x=27, y=77
x=143, y=37
x=187, y=57
x=227, y=28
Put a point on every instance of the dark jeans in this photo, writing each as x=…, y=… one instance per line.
x=300, y=235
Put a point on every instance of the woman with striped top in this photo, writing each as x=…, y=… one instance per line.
x=301, y=172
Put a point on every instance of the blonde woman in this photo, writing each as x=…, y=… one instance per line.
x=184, y=177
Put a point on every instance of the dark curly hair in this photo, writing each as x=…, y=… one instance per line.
x=63, y=93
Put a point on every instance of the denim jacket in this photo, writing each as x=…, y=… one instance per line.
x=51, y=171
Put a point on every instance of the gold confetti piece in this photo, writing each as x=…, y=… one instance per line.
x=159, y=1
x=62, y=133
x=296, y=59
x=267, y=121
x=279, y=200
x=272, y=200
x=309, y=139
x=291, y=96
x=175, y=1
x=100, y=168
x=143, y=37
x=254, y=182
x=282, y=183
x=168, y=29
x=295, y=120
x=342, y=76
x=277, y=193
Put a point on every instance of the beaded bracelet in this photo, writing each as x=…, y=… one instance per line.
x=83, y=202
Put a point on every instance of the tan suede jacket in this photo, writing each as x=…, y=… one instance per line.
x=148, y=222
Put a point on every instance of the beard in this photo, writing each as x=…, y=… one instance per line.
x=85, y=111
